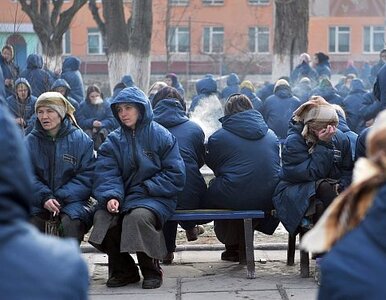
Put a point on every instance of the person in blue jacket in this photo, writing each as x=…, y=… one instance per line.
x=22, y=105
x=277, y=109
x=303, y=90
x=170, y=112
x=377, y=67
x=205, y=88
x=127, y=80
x=172, y=80
x=9, y=68
x=247, y=89
x=326, y=90
x=33, y=266
x=95, y=117
x=244, y=157
x=138, y=176
x=322, y=65
x=342, y=126
x=303, y=69
x=352, y=231
x=316, y=164
x=61, y=86
x=71, y=73
x=265, y=90
x=233, y=86
x=39, y=79
x=352, y=105
x=63, y=162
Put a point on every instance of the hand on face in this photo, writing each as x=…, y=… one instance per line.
x=327, y=133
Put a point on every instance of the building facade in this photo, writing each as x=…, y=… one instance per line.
x=195, y=37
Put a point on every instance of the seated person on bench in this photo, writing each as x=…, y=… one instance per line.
x=244, y=156
x=316, y=165
x=170, y=111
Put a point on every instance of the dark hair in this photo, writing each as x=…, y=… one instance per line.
x=93, y=88
x=10, y=48
x=168, y=92
x=237, y=103
x=322, y=57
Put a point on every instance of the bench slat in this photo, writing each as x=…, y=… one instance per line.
x=206, y=214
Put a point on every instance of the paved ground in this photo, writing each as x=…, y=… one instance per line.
x=198, y=273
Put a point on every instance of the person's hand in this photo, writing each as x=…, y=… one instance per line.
x=20, y=121
x=113, y=206
x=97, y=124
x=52, y=205
x=327, y=133
x=8, y=82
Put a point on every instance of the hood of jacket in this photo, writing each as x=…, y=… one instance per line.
x=135, y=96
x=25, y=82
x=206, y=85
x=61, y=83
x=357, y=86
x=34, y=61
x=283, y=91
x=342, y=125
x=233, y=79
x=127, y=80
x=248, y=124
x=169, y=113
x=71, y=63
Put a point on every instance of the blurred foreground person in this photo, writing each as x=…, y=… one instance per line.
x=33, y=266
x=138, y=174
x=354, y=227
x=63, y=161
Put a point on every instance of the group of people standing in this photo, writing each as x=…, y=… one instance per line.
x=139, y=156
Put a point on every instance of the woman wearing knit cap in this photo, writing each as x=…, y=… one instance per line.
x=353, y=228
x=316, y=166
x=63, y=162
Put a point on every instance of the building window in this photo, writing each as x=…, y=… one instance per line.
x=258, y=2
x=373, y=39
x=258, y=38
x=179, y=39
x=213, y=2
x=339, y=39
x=213, y=39
x=179, y=2
x=95, y=41
x=66, y=42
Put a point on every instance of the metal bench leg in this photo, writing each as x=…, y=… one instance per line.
x=304, y=260
x=291, y=249
x=249, y=249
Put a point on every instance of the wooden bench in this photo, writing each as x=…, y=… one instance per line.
x=224, y=214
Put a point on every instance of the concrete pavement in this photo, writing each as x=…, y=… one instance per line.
x=200, y=274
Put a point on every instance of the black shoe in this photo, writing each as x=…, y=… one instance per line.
x=168, y=259
x=230, y=255
x=152, y=282
x=122, y=280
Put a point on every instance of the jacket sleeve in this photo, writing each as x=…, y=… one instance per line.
x=347, y=165
x=79, y=187
x=301, y=166
x=171, y=179
x=82, y=119
x=108, y=182
x=213, y=157
x=108, y=121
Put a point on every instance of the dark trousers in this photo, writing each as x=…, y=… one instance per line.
x=71, y=228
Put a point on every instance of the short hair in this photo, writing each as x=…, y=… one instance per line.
x=10, y=48
x=168, y=92
x=237, y=103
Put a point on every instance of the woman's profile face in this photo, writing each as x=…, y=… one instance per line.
x=128, y=114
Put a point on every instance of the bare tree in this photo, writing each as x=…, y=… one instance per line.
x=128, y=43
x=50, y=22
x=291, y=34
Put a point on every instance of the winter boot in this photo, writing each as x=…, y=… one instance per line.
x=151, y=271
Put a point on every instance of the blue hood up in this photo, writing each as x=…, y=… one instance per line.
x=169, y=113
x=34, y=61
x=71, y=63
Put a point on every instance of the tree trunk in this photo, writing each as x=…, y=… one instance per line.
x=118, y=64
x=291, y=35
x=139, y=65
x=140, y=30
x=52, y=54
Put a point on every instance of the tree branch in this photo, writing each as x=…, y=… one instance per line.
x=66, y=17
x=97, y=18
x=57, y=5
